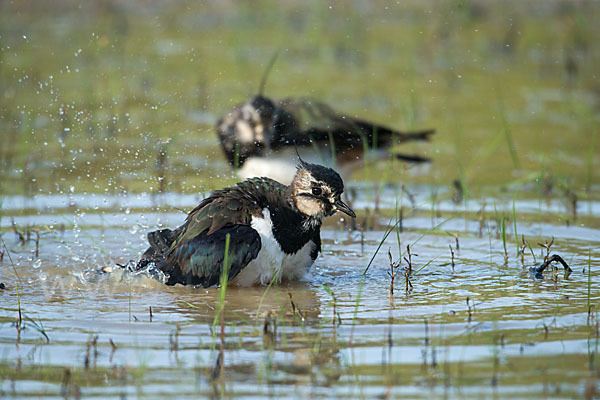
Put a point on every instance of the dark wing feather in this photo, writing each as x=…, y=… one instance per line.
x=234, y=205
x=200, y=260
x=160, y=243
x=197, y=249
x=302, y=120
x=215, y=212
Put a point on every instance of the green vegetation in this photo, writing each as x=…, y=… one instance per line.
x=91, y=94
x=121, y=97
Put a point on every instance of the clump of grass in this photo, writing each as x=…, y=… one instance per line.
x=409, y=268
x=392, y=273
x=387, y=233
x=270, y=329
x=521, y=250
x=91, y=344
x=546, y=245
x=31, y=323
x=470, y=309
x=19, y=322
x=336, y=318
x=113, y=349
x=20, y=235
x=409, y=286
x=295, y=309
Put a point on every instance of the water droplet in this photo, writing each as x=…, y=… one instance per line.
x=37, y=263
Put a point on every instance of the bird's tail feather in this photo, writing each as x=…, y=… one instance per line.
x=161, y=240
x=417, y=135
x=411, y=157
x=382, y=136
x=160, y=243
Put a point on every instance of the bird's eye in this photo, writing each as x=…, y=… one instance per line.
x=316, y=191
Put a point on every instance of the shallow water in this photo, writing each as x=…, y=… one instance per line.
x=481, y=328
x=106, y=132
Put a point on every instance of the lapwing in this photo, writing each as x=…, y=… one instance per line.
x=259, y=137
x=274, y=231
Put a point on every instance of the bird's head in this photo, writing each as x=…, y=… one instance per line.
x=254, y=128
x=316, y=191
x=247, y=130
x=263, y=107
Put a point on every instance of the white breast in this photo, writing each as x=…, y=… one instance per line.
x=296, y=265
x=271, y=260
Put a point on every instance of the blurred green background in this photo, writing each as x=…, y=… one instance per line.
x=108, y=96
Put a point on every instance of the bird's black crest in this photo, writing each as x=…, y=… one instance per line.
x=324, y=174
x=263, y=105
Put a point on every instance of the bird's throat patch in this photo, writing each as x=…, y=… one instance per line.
x=309, y=206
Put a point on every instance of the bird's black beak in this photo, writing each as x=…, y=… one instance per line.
x=341, y=206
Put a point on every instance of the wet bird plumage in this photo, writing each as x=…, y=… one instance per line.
x=260, y=216
x=262, y=128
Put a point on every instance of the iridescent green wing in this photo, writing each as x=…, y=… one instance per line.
x=197, y=254
x=200, y=261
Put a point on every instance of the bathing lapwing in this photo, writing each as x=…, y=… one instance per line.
x=274, y=230
x=259, y=137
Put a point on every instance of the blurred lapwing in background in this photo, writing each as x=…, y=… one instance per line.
x=260, y=137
